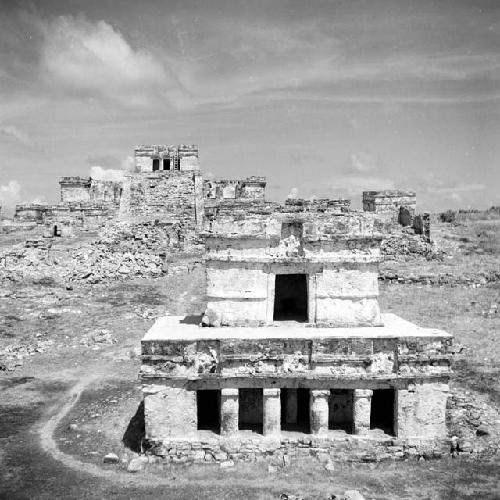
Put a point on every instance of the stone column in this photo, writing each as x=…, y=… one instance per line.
x=318, y=410
x=361, y=410
x=228, y=411
x=272, y=411
x=291, y=407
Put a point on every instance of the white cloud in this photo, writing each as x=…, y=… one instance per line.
x=94, y=59
x=459, y=188
x=364, y=162
x=128, y=164
x=10, y=195
x=106, y=174
x=15, y=133
x=113, y=174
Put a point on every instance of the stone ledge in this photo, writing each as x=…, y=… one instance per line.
x=177, y=328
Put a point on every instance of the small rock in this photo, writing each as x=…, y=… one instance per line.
x=137, y=464
x=111, y=458
x=353, y=495
x=226, y=464
x=73, y=427
x=329, y=466
x=482, y=430
x=465, y=446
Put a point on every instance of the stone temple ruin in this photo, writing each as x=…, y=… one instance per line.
x=85, y=203
x=292, y=355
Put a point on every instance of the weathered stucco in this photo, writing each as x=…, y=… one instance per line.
x=340, y=268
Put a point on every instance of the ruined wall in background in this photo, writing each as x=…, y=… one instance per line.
x=389, y=201
x=320, y=205
x=174, y=196
x=105, y=191
x=180, y=157
x=75, y=189
x=249, y=189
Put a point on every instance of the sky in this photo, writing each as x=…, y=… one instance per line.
x=324, y=98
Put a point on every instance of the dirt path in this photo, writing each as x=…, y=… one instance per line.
x=47, y=428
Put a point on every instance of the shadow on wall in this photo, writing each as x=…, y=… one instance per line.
x=136, y=431
x=194, y=319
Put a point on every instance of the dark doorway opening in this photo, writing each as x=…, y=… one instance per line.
x=250, y=411
x=166, y=163
x=382, y=410
x=56, y=231
x=208, y=406
x=156, y=164
x=340, y=415
x=295, y=410
x=290, y=297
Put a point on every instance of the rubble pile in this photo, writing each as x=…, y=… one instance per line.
x=123, y=250
x=473, y=424
x=407, y=245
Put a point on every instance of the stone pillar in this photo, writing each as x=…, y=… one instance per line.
x=318, y=410
x=228, y=411
x=272, y=411
x=291, y=407
x=361, y=410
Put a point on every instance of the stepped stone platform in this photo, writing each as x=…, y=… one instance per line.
x=294, y=357
x=293, y=381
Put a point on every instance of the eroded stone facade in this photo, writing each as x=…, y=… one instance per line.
x=295, y=358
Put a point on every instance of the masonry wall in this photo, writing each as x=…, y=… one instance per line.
x=337, y=257
x=389, y=201
x=167, y=196
x=107, y=192
x=321, y=205
x=182, y=157
x=251, y=189
x=75, y=189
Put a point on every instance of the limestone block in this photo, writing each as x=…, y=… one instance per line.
x=235, y=282
x=143, y=164
x=170, y=412
x=361, y=410
x=272, y=411
x=236, y=312
x=189, y=163
x=347, y=312
x=348, y=283
x=229, y=191
x=318, y=410
x=421, y=410
x=229, y=411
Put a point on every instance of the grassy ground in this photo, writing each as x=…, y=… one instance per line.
x=57, y=341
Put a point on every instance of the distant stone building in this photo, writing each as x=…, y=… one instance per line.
x=389, y=201
x=296, y=358
x=86, y=203
x=166, y=186
x=162, y=157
